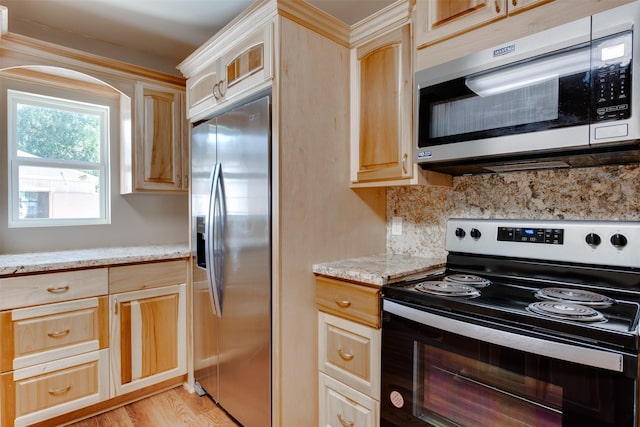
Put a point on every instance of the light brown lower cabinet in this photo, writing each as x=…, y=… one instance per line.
x=148, y=337
x=92, y=337
x=43, y=391
x=349, y=345
x=342, y=406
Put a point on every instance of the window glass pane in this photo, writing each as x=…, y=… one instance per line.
x=49, y=192
x=57, y=134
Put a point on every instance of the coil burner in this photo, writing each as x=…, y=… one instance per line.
x=468, y=279
x=566, y=311
x=576, y=296
x=447, y=288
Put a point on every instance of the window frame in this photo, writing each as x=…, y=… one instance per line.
x=70, y=103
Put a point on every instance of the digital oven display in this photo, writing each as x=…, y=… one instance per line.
x=551, y=236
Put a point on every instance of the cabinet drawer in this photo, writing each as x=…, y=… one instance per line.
x=44, y=333
x=37, y=289
x=44, y=391
x=144, y=276
x=350, y=352
x=355, y=302
x=342, y=406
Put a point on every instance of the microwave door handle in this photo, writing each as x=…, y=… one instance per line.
x=210, y=240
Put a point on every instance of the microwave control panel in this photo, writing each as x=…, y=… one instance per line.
x=611, y=77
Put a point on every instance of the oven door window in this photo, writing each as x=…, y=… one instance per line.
x=433, y=377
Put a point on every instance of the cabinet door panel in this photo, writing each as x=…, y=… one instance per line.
x=144, y=276
x=148, y=337
x=142, y=322
x=23, y=291
x=33, y=394
x=44, y=391
x=517, y=6
x=158, y=137
x=201, y=88
x=45, y=333
x=438, y=20
x=342, y=406
x=382, y=113
x=354, y=302
x=379, y=108
x=350, y=353
x=153, y=160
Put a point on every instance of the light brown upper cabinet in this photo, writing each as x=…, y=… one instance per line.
x=438, y=20
x=158, y=157
x=383, y=72
x=382, y=103
x=243, y=66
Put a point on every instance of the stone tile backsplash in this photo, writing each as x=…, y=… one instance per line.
x=597, y=193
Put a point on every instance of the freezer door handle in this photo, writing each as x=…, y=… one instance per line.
x=214, y=238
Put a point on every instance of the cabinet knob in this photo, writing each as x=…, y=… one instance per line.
x=58, y=289
x=514, y=3
x=405, y=156
x=222, y=89
x=344, y=303
x=59, y=334
x=345, y=356
x=497, y=7
x=344, y=422
x=59, y=391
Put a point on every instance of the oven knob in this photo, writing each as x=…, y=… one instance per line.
x=619, y=240
x=593, y=239
x=460, y=232
x=475, y=233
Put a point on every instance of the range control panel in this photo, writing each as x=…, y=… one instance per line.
x=552, y=236
x=615, y=243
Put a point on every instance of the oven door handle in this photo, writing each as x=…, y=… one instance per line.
x=571, y=353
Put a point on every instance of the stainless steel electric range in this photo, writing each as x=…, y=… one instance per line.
x=531, y=323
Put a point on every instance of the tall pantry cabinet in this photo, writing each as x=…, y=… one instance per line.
x=316, y=217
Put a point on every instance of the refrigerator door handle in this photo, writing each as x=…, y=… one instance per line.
x=214, y=238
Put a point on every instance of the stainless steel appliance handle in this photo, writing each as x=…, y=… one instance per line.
x=212, y=238
x=570, y=353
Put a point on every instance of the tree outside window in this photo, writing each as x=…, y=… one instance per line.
x=58, y=151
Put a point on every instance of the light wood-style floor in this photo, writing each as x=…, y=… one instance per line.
x=173, y=408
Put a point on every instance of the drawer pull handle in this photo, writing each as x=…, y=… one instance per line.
x=59, y=391
x=343, y=422
x=344, y=303
x=345, y=356
x=59, y=334
x=58, y=290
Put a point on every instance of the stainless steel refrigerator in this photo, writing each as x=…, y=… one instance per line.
x=231, y=235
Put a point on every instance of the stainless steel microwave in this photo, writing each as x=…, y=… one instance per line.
x=567, y=96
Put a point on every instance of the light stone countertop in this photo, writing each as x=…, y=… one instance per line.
x=37, y=262
x=379, y=269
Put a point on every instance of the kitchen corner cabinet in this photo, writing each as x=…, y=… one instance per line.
x=381, y=108
x=53, y=344
x=239, y=69
x=148, y=324
x=157, y=159
x=349, y=345
x=437, y=20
